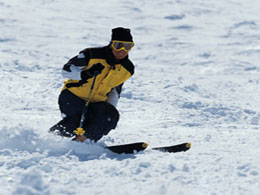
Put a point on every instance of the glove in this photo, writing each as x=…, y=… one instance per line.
x=94, y=70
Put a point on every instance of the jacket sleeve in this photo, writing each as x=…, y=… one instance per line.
x=74, y=66
x=114, y=95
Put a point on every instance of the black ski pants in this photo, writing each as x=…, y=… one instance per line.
x=101, y=117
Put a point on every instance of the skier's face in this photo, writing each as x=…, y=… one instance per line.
x=121, y=54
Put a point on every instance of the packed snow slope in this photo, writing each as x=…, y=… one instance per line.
x=196, y=79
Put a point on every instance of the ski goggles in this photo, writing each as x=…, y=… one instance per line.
x=122, y=45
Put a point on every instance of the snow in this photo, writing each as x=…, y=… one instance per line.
x=196, y=80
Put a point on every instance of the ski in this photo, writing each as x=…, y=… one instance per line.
x=174, y=148
x=128, y=148
x=140, y=146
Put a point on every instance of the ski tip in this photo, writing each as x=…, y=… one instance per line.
x=144, y=145
x=188, y=145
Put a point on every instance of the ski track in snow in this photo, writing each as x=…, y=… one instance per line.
x=196, y=79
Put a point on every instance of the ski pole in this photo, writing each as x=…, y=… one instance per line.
x=80, y=130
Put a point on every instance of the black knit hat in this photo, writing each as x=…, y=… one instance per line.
x=122, y=34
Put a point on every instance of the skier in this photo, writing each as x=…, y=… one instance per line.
x=108, y=67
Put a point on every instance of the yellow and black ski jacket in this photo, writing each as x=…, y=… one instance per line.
x=111, y=79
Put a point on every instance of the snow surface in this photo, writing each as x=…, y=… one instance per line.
x=196, y=80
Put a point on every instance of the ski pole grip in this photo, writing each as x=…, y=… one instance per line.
x=95, y=73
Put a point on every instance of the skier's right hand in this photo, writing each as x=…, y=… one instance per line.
x=93, y=71
x=96, y=69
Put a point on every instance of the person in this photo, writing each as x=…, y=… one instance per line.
x=95, y=75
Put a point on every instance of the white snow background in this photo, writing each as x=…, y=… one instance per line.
x=196, y=80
